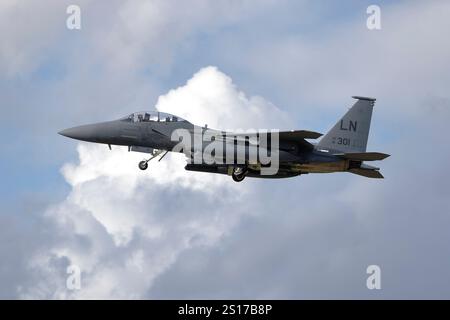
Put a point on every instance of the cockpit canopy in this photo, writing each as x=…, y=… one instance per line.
x=147, y=116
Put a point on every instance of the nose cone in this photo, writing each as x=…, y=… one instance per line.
x=85, y=133
x=99, y=132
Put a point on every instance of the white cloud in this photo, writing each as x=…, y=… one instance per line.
x=211, y=97
x=125, y=36
x=313, y=236
x=149, y=33
x=124, y=227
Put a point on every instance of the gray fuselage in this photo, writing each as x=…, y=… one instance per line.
x=148, y=135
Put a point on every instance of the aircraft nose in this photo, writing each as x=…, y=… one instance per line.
x=67, y=132
x=91, y=132
x=79, y=133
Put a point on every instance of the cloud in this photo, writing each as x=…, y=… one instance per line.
x=167, y=233
x=317, y=239
x=124, y=227
x=325, y=64
x=20, y=49
x=149, y=33
x=211, y=97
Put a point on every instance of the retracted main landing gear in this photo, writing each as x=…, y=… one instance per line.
x=143, y=165
x=239, y=173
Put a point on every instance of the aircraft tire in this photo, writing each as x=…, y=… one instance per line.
x=143, y=165
x=240, y=176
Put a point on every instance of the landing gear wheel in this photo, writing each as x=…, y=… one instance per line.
x=143, y=165
x=238, y=178
x=238, y=174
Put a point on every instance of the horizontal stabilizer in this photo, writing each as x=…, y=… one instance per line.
x=367, y=173
x=363, y=156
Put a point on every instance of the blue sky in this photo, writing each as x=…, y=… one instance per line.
x=307, y=58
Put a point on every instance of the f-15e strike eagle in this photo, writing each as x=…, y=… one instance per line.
x=248, y=154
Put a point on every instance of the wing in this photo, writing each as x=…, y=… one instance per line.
x=294, y=136
x=298, y=137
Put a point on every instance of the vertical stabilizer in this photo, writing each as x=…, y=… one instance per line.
x=351, y=132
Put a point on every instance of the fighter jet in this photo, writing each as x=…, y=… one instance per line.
x=341, y=149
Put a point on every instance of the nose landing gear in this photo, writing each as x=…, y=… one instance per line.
x=143, y=165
